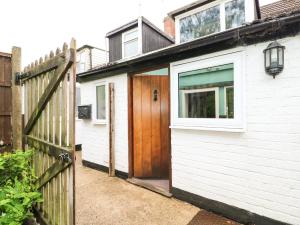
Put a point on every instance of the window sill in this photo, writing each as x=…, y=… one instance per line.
x=221, y=129
x=100, y=122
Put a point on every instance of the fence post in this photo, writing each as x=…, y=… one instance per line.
x=16, y=99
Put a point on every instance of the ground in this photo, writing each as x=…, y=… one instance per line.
x=111, y=201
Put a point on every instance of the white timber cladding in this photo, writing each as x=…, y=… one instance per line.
x=257, y=169
x=95, y=136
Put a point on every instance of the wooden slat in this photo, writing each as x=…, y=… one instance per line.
x=5, y=83
x=156, y=150
x=46, y=147
x=5, y=113
x=137, y=126
x=146, y=127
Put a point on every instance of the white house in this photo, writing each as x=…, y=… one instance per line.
x=213, y=119
x=87, y=57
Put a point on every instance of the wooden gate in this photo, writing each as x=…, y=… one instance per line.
x=5, y=101
x=49, y=90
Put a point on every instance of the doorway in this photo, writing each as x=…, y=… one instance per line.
x=150, y=129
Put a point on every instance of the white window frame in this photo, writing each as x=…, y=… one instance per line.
x=94, y=108
x=138, y=37
x=225, y=98
x=237, y=124
x=216, y=90
x=78, y=86
x=249, y=16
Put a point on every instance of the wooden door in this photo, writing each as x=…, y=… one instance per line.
x=151, y=137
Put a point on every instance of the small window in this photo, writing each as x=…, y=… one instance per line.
x=234, y=13
x=100, y=102
x=206, y=93
x=130, y=43
x=81, y=62
x=78, y=101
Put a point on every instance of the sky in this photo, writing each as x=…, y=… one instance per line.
x=38, y=26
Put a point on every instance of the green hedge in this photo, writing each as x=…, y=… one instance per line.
x=17, y=190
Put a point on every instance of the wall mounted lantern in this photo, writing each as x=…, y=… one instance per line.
x=274, y=58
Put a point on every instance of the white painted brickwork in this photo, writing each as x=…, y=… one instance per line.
x=257, y=170
x=94, y=137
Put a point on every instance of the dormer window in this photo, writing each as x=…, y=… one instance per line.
x=130, y=43
x=211, y=18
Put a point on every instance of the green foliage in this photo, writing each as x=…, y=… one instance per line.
x=17, y=190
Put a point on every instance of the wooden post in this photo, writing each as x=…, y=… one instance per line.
x=111, y=130
x=72, y=141
x=16, y=100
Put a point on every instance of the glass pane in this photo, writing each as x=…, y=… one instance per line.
x=78, y=101
x=274, y=56
x=131, y=48
x=280, y=55
x=267, y=58
x=130, y=35
x=200, y=105
x=230, y=102
x=202, y=93
x=100, y=92
x=234, y=13
x=200, y=24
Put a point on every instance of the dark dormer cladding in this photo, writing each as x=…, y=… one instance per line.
x=134, y=38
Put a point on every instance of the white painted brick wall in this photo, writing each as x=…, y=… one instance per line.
x=257, y=170
x=94, y=137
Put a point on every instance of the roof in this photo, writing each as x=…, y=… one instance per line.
x=134, y=23
x=88, y=46
x=197, y=4
x=280, y=7
x=258, y=31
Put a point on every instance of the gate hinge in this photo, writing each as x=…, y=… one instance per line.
x=17, y=78
x=65, y=157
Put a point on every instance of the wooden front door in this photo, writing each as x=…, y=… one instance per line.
x=151, y=137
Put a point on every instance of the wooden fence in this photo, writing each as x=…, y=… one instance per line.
x=49, y=95
x=5, y=101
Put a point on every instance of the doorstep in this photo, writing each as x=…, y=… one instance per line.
x=147, y=185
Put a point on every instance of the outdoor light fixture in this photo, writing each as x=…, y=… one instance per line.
x=1, y=143
x=274, y=58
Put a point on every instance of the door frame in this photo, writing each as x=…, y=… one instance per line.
x=130, y=120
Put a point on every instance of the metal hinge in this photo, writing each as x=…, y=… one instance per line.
x=65, y=157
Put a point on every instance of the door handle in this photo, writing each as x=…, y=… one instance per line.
x=155, y=95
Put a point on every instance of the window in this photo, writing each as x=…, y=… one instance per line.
x=101, y=102
x=216, y=18
x=130, y=43
x=202, y=92
x=78, y=101
x=200, y=24
x=234, y=13
x=81, y=62
x=207, y=92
